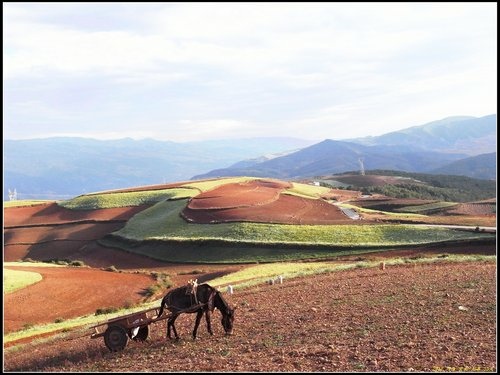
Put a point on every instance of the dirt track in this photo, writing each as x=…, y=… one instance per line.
x=403, y=318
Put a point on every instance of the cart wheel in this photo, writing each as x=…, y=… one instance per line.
x=115, y=338
x=142, y=334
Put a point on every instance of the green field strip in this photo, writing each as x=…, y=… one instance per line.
x=126, y=199
x=14, y=280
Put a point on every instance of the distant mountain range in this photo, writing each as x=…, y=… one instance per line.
x=58, y=168
x=481, y=166
x=459, y=134
x=443, y=146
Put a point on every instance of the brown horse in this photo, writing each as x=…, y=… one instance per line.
x=201, y=299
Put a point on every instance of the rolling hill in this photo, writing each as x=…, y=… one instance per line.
x=330, y=157
x=458, y=134
x=480, y=166
x=426, y=148
x=234, y=220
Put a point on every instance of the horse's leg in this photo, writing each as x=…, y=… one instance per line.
x=209, y=323
x=171, y=325
x=197, y=322
x=168, y=328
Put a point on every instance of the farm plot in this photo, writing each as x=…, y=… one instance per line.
x=50, y=242
x=287, y=209
x=67, y=232
x=390, y=204
x=237, y=195
x=49, y=231
x=52, y=213
x=473, y=209
x=262, y=201
x=66, y=292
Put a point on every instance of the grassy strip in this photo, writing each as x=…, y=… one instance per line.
x=371, y=211
x=31, y=264
x=426, y=207
x=306, y=191
x=127, y=199
x=14, y=280
x=212, y=184
x=163, y=222
x=259, y=274
x=227, y=252
x=22, y=203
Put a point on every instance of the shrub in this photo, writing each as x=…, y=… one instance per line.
x=111, y=269
x=106, y=310
x=27, y=326
x=151, y=290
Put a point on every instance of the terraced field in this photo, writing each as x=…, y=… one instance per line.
x=233, y=222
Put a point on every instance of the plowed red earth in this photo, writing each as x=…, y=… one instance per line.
x=243, y=194
x=49, y=231
x=287, y=209
x=260, y=201
x=473, y=209
x=69, y=292
x=52, y=213
x=433, y=317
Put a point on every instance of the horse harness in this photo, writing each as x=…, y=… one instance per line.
x=192, y=289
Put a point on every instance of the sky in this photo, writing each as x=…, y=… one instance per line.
x=200, y=71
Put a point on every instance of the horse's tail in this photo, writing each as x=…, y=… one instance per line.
x=162, y=306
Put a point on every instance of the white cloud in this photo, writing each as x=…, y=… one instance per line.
x=245, y=67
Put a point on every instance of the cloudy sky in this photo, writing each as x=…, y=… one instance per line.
x=197, y=71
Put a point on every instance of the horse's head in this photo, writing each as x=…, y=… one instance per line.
x=228, y=320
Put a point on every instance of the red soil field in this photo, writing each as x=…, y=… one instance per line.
x=52, y=213
x=69, y=292
x=473, y=209
x=69, y=232
x=48, y=231
x=342, y=195
x=260, y=201
x=287, y=209
x=243, y=194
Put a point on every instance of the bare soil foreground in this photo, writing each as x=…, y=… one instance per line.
x=427, y=317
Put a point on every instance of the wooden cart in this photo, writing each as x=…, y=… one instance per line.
x=135, y=326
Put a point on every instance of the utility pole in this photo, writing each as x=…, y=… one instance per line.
x=362, y=171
